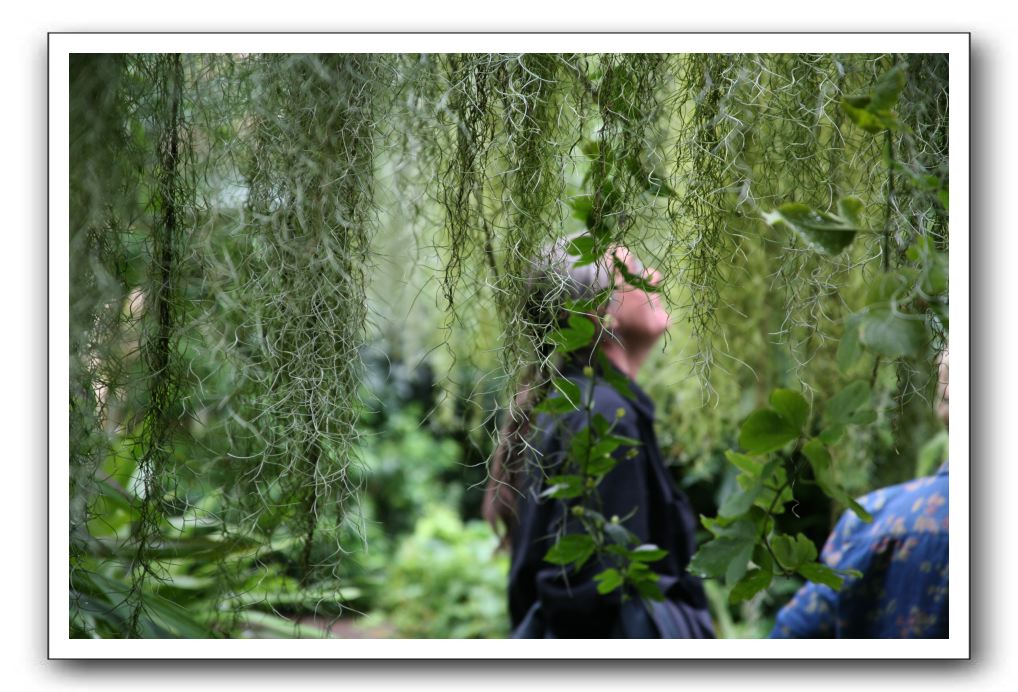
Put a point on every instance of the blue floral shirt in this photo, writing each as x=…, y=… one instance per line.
x=903, y=556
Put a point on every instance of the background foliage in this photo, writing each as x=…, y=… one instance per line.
x=299, y=307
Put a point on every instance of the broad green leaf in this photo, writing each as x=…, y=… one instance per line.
x=892, y=334
x=728, y=554
x=821, y=574
x=820, y=460
x=605, y=446
x=888, y=88
x=886, y=287
x=766, y=431
x=826, y=233
x=578, y=334
x=601, y=465
x=832, y=434
x=582, y=206
x=572, y=549
x=791, y=406
x=744, y=463
x=763, y=558
x=793, y=552
x=581, y=246
x=842, y=405
x=755, y=581
x=864, y=416
x=872, y=109
x=739, y=502
x=934, y=279
x=608, y=580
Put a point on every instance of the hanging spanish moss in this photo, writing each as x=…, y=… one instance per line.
x=100, y=204
x=233, y=217
x=311, y=179
x=702, y=212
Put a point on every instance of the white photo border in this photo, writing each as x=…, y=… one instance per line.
x=61, y=45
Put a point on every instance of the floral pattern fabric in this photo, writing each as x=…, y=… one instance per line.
x=903, y=557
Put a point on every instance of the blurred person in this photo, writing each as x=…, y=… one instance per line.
x=546, y=600
x=903, y=558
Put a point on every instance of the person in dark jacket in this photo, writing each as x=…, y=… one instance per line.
x=546, y=600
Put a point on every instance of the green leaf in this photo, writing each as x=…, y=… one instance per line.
x=567, y=399
x=791, y=406
x=842, y=405
x=832, y=434
x=820, y=460
x=728, y=554
x=572, y=549
x=826, y=233
x=578, y=334
x=583, y=207
x=554, y=405
x=618, y=534
x=579, y=446
x=649, y=589
x=885, y=92
x=744, y=463
x=886, y=287
x=871, y=109
x=755, y=581
x=739, y=502
x=864, y=416
x=564, y=487
x=793, y=552
x=581, y=246
x=893, y=334
x=821, y=574
x=608, y=580
x=766, y=431
x=599, y=466
x=647, y=553
x=934, y=281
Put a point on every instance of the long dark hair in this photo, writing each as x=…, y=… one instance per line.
x=555, y=280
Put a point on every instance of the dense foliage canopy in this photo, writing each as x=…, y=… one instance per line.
x=300, y=304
